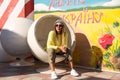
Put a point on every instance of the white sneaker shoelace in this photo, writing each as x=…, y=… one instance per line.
x=74, y=73
x=54, y=75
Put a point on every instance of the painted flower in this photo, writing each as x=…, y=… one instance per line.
x=115, y=24
x=106, y=41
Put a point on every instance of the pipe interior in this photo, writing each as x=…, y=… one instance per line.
x=43, y=27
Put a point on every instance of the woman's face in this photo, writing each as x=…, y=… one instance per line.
x=59, y=27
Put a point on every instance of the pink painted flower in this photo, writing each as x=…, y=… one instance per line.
x=106, y=41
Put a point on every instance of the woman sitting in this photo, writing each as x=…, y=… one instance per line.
x=57, y=43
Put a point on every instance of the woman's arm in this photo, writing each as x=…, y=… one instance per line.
x=51, y=40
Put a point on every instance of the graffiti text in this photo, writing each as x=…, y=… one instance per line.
x=85, y=17
x=59, y=3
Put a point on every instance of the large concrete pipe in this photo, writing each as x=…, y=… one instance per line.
x=14, y=39
x=4, y=56
x=38, y=33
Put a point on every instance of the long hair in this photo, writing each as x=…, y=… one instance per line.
x=63, y=33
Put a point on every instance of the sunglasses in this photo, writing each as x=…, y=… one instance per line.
x=59, y=25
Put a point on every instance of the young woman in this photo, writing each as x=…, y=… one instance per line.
x=58, y=43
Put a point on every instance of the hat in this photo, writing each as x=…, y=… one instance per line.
x=59, y=21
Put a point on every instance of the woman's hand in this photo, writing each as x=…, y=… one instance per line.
x=63, y=49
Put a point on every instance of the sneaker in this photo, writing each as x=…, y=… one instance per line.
x=74, y=73
x=54, y=75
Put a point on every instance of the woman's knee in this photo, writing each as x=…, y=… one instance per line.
x=50, y=50
x=51, y=55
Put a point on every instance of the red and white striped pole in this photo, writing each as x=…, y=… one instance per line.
x=10, y=9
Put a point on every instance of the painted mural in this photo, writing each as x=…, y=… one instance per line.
x=97, y=27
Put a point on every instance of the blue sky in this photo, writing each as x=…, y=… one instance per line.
x=87, y=3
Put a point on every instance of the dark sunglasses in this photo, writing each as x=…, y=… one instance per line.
x=59, y=25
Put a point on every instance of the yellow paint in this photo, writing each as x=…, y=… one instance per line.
x=92, y=30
